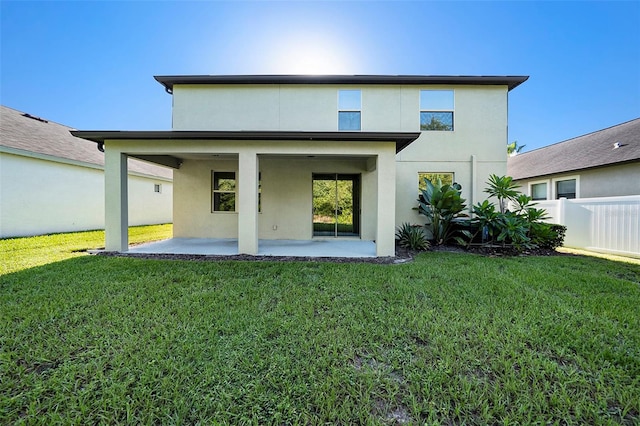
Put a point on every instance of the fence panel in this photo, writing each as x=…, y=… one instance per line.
x=608, y=224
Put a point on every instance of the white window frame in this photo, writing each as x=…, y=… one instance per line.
x=348, y=110
x=537, y=182
x=214, y=191
x=561, y=178
x=422, y=109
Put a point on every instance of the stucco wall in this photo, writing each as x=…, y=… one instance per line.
x=286, y=197
x=40, y=197
x=614, y=181
x=474, y=149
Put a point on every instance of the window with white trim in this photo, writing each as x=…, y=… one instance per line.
x=566, y=188
x=538, y=191
x=436, y=110
x=223, y=191
x=349, y=110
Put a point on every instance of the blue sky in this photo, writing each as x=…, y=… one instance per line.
x=90, y=65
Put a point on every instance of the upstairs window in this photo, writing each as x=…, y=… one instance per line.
x=224, y=191
x=349, y=110
x=436, y=110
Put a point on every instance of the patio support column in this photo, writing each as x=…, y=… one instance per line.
x=386, y=224
x=248, y=203
x=116, y=219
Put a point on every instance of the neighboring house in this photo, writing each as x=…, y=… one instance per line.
x=302, y=157
x=53, y=182
x=605, y=163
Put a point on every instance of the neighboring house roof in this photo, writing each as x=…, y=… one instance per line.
x=25, y=133
x=614, y=145
x=511, y=81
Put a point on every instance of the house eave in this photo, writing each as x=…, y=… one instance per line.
x=168, y=81
x=574, y=170
x=401, y=139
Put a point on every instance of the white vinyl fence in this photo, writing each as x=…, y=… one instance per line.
x=607, y=225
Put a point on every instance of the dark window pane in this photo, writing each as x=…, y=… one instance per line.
x=566, y=189
x=436, y=121
x=224, y=181
x=224, y=202
x=349, y=120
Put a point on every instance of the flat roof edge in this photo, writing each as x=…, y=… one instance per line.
x=168, y=81
x=402, y=139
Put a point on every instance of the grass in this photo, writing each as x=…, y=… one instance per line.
x=450, y=338
x=20, y=253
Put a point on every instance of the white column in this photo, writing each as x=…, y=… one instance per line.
x=386, y=222
x=116, y=201
x=248, y=203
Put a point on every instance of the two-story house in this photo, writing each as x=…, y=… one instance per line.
x=302, y=157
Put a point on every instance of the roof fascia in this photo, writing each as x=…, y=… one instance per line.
x=69, y=162
x=48, y=157
x=581, y=169
x=402, y=139
x=168, y=81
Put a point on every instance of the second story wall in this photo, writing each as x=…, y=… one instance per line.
x=480, y=114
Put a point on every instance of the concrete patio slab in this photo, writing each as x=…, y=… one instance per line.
x=226, y=247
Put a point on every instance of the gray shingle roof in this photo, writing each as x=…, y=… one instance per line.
x=40, y=136
x=583, y=152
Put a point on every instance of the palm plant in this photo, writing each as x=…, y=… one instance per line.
x=503, y=188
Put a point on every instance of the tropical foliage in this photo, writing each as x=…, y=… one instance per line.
x=514, y=149
x=441, y=204
x=412, y=237
x=523, y=227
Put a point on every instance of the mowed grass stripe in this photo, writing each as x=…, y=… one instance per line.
x=448, y=338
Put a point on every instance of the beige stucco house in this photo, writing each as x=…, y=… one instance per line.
x=303, y=157
x=53, y=182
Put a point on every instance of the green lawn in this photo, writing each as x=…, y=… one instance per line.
x=450, y=338
x=20, y=253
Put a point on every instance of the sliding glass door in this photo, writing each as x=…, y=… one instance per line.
x=336, y=205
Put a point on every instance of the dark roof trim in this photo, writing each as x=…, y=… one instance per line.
x=569, y=171
x=402, y=139
x=168, y=81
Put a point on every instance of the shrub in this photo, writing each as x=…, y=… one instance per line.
x=552, y=237
x=522, y=228
x=441, y=204
x=412, y=237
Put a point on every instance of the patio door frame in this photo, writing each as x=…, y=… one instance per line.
x=356, y=191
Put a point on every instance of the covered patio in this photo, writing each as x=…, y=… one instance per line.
x=352, y=248
x=271, y=176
